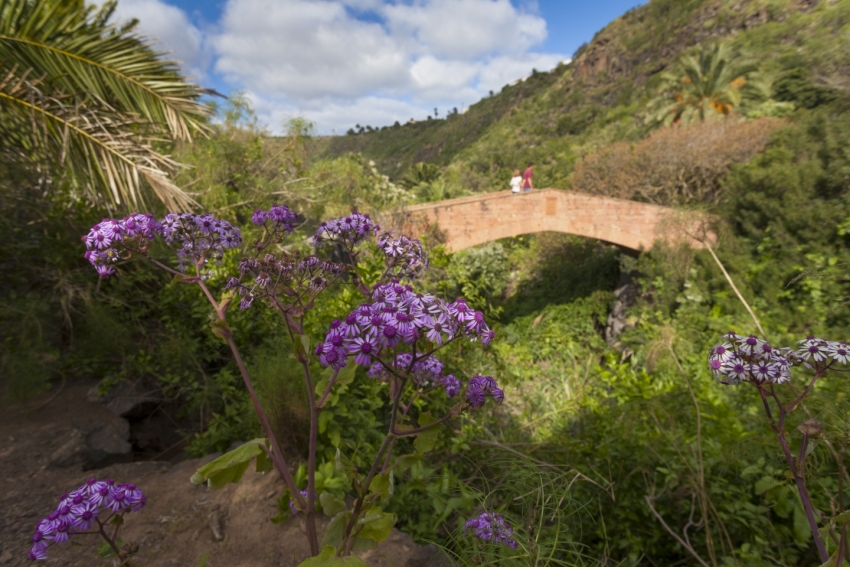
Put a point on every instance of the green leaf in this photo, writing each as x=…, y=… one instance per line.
x=363, y=544
x=346, y=375
x=104, y=551
x=336, y=527
x=231, y=466
x=382, y=486
x=406, y=461
x=327, y=558
x=426, y=440
x=377, y=524
x=802, y=532
x=331, y=505
x=831, y=562
x=346, y=467
x=765, y=484
x=842, y=518
x=343, y=378
x=324, y=418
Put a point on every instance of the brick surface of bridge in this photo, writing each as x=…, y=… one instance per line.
x=470, y=221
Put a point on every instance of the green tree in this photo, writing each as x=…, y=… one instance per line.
x=714, y=82
x=91, y=100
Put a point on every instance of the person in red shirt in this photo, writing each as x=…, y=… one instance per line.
x=527, y=183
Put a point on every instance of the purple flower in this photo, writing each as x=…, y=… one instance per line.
x=814, y=349
x=198, y=238
x=285, y=279
x=349, y=231
x=404, y=257
x=279, y=220
x=450, y=384
x=839, y=352
x=78, y=510
x=480, y=388
x=489, y=526
x=293, y=504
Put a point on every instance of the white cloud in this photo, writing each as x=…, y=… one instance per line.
x=317, y=54
x=466, y=29
x=341, y=62
x=301, y=49
x=170, y=28
x=337, y=116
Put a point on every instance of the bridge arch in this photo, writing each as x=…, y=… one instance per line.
x=469, y=221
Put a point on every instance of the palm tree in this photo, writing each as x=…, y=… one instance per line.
x=712, y=83
x=93, y=100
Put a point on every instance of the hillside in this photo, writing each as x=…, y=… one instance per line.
x=554, y=118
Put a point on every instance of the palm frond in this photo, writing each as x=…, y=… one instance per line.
x=75, y=47
x=98, y=146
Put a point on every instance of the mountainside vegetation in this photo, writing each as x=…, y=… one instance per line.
x=605, y=94
x=611, y=449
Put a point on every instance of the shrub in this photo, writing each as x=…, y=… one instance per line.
x=676, y=165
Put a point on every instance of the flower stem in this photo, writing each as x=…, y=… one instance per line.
x=806, y=500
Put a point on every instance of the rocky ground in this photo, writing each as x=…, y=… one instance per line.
x=44, y=449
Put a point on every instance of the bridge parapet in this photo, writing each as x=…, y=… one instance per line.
x=469, y=221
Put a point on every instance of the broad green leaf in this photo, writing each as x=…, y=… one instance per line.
x=331, y=505
x=346, y=375
x=343, y=378
x=336, y=527
x=406, y=461
x=327, y=558
x=363, y=544
x=842, y=518
x=346, y=467
x=832, y=561
x=377, y=524
x=802, y=532
x=335, y=437
x=231, y=466
x=382, y=486
x=765, y=484
x=324, y=418
x=426, y=440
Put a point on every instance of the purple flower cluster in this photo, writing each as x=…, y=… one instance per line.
x=480, y=388
x=405, y=257
x=349, y=231
x=78, y=510
x=201, y=237
x=279, y=220
x=750, y=359
x=288, y=276
x=292, y=504
x=134, y=231
x=398, y=317
x=489, y=526
x=427, y=372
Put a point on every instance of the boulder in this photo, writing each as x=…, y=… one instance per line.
x=130, y=399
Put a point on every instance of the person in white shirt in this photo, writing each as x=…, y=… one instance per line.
x=516, y=182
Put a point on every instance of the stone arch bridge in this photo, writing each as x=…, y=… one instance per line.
x=469, y=221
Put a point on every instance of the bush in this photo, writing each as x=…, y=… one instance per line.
x=676, y=165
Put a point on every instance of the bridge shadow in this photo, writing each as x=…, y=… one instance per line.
x=567, y=268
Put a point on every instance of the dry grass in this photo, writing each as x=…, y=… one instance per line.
x=675, y=165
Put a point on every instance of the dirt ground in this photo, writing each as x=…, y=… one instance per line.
x=182, y=524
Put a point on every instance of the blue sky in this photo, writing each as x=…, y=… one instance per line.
x=341, y=62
